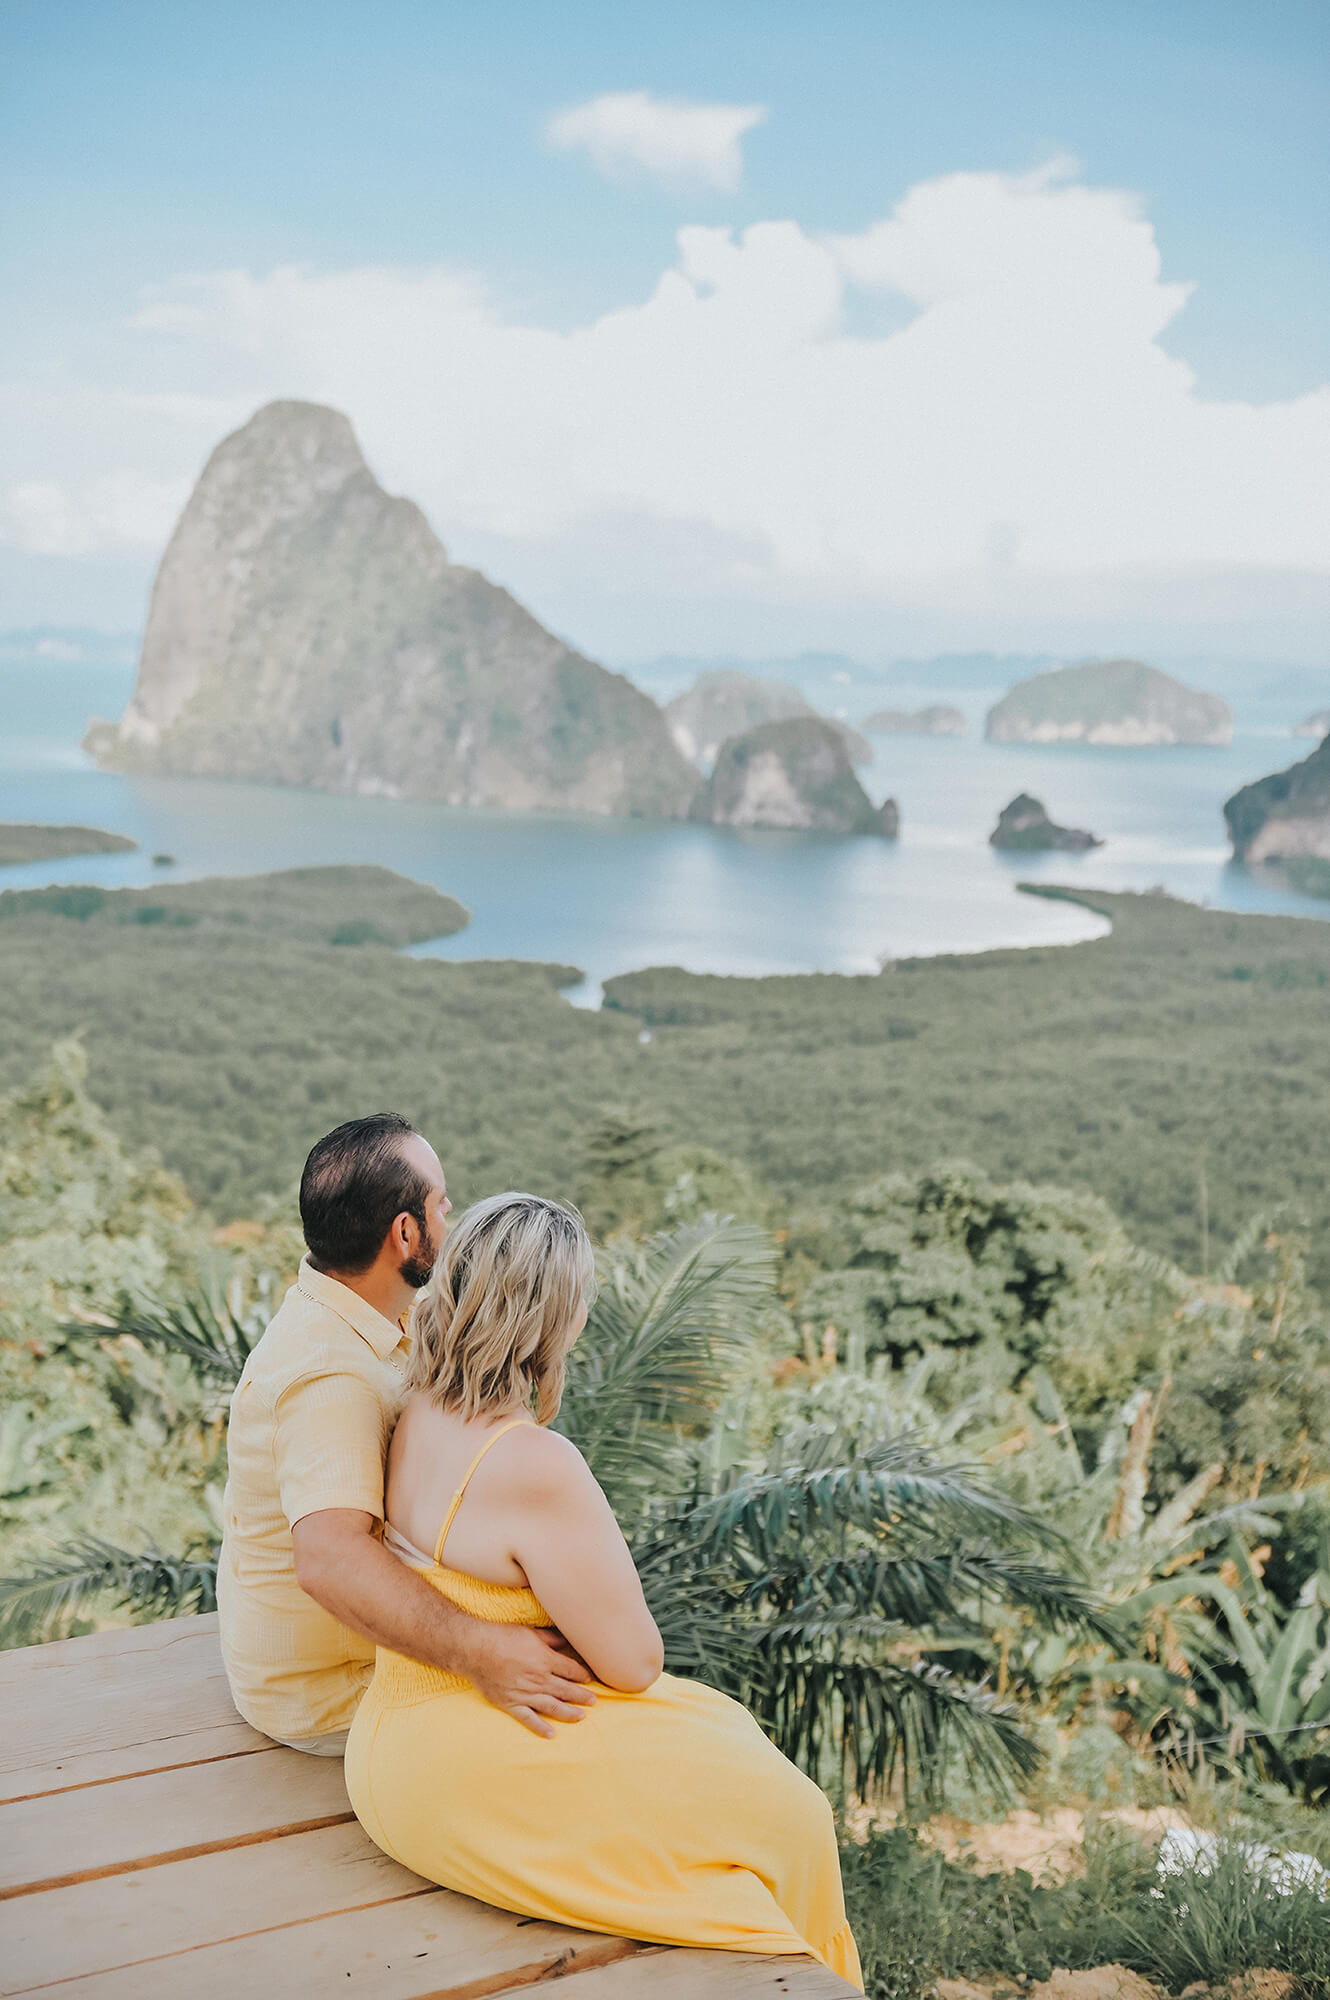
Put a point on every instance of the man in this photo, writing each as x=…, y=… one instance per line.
x=305, y=1587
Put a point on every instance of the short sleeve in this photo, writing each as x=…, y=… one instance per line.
x=329, y=1441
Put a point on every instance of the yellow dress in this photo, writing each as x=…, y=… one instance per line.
x=666, y=1816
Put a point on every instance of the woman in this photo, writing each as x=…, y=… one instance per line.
x=665, y=1814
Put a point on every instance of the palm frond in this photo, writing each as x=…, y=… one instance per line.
x=210, y=1327
x=89, y=1572
x=708, y=1630
x=1248, y=1239
x=884, y=1720
x=669, y=1325
x=949, y=1590
x=894, y=1488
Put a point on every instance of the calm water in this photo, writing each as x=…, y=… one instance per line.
x=610, y=896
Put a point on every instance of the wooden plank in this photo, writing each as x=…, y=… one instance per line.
x=68, y=1836
x=116, y=1704
x=315, y=1914
x=686, y=1975
x=115, y=1920
x=25, y=1660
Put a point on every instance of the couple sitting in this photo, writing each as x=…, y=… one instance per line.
x=417, y=1573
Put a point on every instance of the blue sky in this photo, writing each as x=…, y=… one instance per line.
x=144, y=144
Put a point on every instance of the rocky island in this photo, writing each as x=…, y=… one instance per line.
x=728, y=702
x=795, y=774
x=1122, y=703
x=308, y=629
x=938, y=719
x=1285, y=817
x=1024, y=827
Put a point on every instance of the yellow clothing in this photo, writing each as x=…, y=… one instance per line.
x=666, y=1815
x=310, y=1423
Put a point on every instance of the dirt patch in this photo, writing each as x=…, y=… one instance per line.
x=1050, y=1847
x=1265, y=1985
x=1100, y=1982
x=1115, y=1982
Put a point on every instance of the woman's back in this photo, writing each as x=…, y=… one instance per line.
x=530, y=1514
x=431, y=1454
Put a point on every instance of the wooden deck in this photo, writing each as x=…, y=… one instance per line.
x=153, y=1846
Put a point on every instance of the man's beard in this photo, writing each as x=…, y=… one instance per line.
x=416, y=1271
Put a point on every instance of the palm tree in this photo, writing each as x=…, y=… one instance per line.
x=827, y=1585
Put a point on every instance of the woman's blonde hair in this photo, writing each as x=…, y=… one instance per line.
x=495, y=1321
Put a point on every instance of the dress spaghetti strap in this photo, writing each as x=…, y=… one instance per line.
x=489, y=1443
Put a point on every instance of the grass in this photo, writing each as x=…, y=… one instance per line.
x=919, y=1917
x=1179, y=1067
x=20, y=843
x=306, y=905
x=1309, y=874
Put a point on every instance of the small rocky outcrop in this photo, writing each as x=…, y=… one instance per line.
x=728, y=702
x=1317, y=725
x=1286, y=816
x=794, y=774
x=1121, y=703
x=938, y=719
x=1025, y=827
x=306, y=628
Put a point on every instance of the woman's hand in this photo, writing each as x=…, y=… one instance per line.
x=342, y=1565
x=530, y=1672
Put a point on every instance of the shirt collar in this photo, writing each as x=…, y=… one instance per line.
x=383, y=1335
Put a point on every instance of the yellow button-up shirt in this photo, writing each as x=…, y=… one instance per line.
x=310, y=1424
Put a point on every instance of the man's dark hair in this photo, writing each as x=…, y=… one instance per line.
x=356, y=1181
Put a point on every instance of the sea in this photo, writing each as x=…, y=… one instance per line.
x=611, y=896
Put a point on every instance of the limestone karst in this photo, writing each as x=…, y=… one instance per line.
x=727, y=702
x=1025, y=827
x=796, y=774
x=1121, y=703
x=306, y=628
x=1285, y=817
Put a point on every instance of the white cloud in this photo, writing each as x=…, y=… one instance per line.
x=1023, y=446
x=119, y=511
x=670, y=138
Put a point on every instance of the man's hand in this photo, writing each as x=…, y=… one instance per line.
x=529, y=1673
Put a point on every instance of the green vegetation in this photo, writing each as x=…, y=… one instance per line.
x=865, y=1465
x=1178, y=1068
x=919, y=1916
x=310, y=905
x=19, y=843
x=808, y=1581
x=1309, y=874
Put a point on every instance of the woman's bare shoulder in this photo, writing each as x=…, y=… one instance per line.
x=541, y=1464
